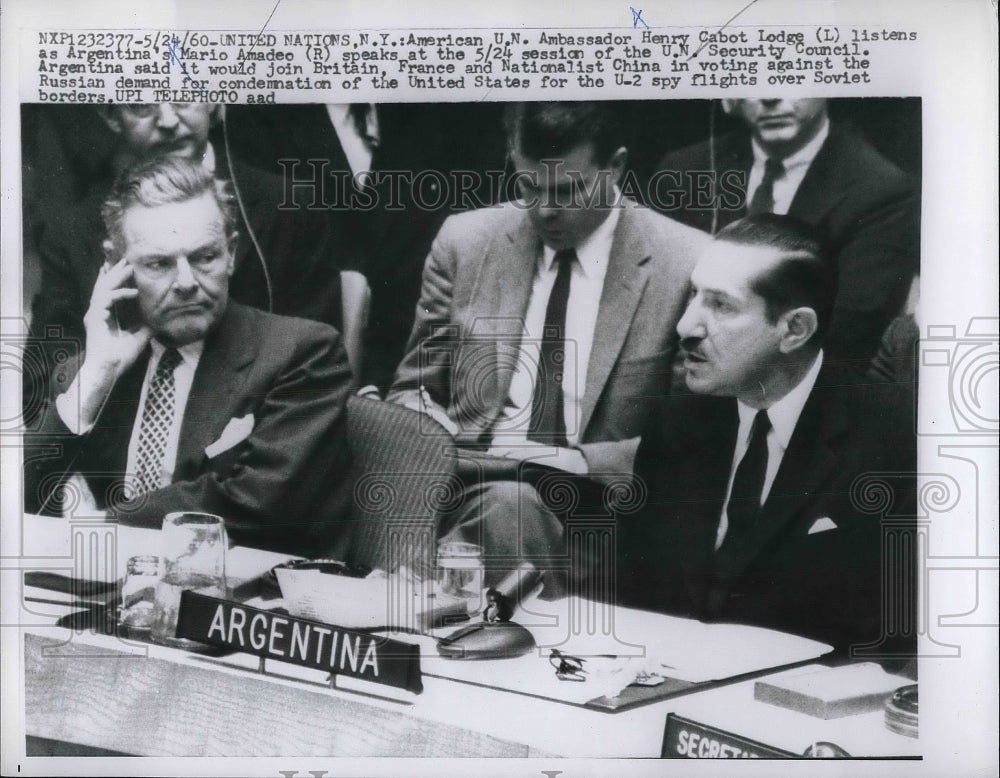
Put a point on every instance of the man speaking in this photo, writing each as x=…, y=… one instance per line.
x=184, y=400
x=757, y=509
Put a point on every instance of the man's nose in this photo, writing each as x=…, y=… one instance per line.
x=166, y=116
x=184, y=280
x=548, y=211
x=690, y=324
x=549, y=206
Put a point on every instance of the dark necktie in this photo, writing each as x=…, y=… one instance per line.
x=763, y=197
x=744, y=506
x=548, y=423
x=154, y=429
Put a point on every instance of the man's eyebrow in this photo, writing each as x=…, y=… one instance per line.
x=719, y=293
x=153, y=257
x=212, y=245
x=215, y=245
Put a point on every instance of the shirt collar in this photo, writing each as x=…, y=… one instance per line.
x=784, y=414
x=338, y=113
x=593, y=252
x=803, y=156
x=190, y=353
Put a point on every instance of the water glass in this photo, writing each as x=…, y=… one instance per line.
x=193, y=550
x=138, y=594
x=460, y=573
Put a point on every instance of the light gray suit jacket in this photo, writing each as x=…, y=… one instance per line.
x=469, y=319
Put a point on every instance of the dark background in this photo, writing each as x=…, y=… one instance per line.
x=64, y=146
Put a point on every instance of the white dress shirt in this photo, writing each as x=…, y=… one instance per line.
x=586, y=285
x=68, y=404
x=356, y=149
x=783, y=415
x=796, y=166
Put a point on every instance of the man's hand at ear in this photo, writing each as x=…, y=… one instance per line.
x=110, y=349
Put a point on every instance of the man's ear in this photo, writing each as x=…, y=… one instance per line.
x=109, y=251
x=616, y=164
x=111, y=118
x=231, y=250
x=728, y=106
x=797, y=326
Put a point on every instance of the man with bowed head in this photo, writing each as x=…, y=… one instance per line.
x=544, y=330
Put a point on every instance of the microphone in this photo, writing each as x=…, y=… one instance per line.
x=504, y=598
x=496, y=637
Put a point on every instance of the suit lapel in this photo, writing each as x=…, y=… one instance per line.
x=118, y=419
x=703, y=463
x=502, y=292
x=735, y=153
x=623, y=286
x=221, y=372
x=825, y=184
x=808, y=462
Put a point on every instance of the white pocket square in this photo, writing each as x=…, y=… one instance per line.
x=236, y=431
x=821, y=525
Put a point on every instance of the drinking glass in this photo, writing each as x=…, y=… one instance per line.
x=138, y=594
x=193, y=550
x=460, y=573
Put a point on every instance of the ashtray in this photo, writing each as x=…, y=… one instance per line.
x=269, y=581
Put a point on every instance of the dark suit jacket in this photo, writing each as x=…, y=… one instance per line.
x=388, y=237
x=850, y=439
x=476, y=287
x=865, y=207
x=293, y=244
x=273, y=487
x=898, y=353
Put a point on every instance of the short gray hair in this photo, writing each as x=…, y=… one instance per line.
x=163, y=181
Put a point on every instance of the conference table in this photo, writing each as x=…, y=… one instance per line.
x=92, y=693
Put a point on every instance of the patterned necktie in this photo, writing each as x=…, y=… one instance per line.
x=763, y=197
x=157, y=419
x=744, y=506
x=548, y=423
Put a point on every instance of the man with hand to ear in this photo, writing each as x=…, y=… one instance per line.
x=284, y=258
x=200, y=403
x=112, y=348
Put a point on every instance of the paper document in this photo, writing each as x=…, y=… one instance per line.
x=685, y=649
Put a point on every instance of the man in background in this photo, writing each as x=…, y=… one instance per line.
x=545, y=329
x=386, y=176
x=793, y=160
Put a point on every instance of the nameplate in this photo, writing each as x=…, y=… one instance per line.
x=686, y=739
x=335, y=650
